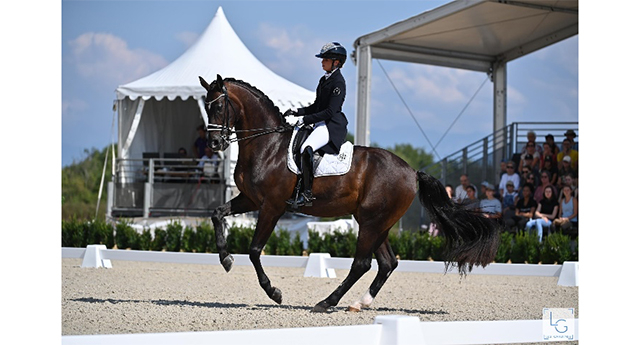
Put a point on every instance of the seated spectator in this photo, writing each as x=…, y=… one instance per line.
x=491, y=207
x=531, y=157
x=471, y=202
x=548, y=154
x=571, y=135
x=546, y=212
x=200, y=144
x=551, y=140
x=524, y=210
x=532, y=181
x=569, y=211
x=509, y=199
x=565, y=167
x=569, y=180
x=449, y=189
x=509, y=176
x=209, y=163
x=545, y=181
x=568, y=151
x=461, y=190
x=531, y=138
x=551, y=170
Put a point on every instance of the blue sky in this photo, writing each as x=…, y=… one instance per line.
x=108, y=43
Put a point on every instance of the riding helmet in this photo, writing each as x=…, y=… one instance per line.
x=333, y=50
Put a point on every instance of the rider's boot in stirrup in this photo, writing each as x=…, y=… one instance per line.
x=306, y=197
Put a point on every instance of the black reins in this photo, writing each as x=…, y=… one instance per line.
x=227, y=131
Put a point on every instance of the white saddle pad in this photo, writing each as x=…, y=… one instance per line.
x=330, y=165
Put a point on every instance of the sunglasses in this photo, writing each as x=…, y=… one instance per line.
x=509, y=166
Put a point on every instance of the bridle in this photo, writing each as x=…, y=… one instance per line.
x=226, y=131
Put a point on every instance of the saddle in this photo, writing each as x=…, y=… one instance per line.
x=324, y=164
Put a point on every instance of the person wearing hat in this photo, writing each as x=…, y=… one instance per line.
x=509, y=200
x=565, y=168
x=491, y=207
x=550, y=168
x=571, y=135
x=568, y=151
x=325, y=114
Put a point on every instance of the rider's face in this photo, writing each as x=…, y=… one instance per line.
x=327, y=64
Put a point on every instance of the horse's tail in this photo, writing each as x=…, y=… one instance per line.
x=471, y=238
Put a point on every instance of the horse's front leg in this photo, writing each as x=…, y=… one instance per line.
x=267, y=220
x=237, y=205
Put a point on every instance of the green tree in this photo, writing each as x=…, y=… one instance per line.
x=81, y=184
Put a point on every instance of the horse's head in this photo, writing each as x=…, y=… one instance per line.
x=221, y=113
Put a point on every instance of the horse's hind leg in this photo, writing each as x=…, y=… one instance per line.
x=237, y=205
x=387, y=262
x=367, y=240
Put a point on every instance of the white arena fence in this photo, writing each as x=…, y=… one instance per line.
x=386, y=330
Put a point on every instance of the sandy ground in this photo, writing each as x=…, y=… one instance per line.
x=139, y=297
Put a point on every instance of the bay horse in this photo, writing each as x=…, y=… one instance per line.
x=377, y=190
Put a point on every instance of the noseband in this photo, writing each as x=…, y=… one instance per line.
x=225, y=130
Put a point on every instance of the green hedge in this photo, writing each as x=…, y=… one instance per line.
x=516, y=248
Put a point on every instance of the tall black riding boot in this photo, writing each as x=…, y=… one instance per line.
x=306, y=197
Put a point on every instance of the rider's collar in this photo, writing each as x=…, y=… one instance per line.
x=328, y=74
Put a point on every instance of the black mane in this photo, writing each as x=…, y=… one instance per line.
x=261, y=95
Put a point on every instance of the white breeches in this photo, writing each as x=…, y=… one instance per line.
x=318, y=137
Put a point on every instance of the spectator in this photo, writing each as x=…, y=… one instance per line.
x=491, y=207
x=567, y=151
x=483, y=192
x=568, y=180
x=200, y=144
x=546, y=211
x=509, y=176
x=209, y=162
x=551, y=140
x=525, y=208
x=449, y=189
x=461, y=190
x=509, y=199
x=569, y=210
x=547, y=153
x=571, y=135
x=545, y=181
x=531, y=157
x=551, y=170
x=471, y=202
x=565, y=167
x=531, y=138
x=533, y=184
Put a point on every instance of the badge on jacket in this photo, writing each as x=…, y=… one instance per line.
x=336, y=91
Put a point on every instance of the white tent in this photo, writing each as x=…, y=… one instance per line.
x=160, y=112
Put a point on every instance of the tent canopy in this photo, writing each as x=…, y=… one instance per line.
x=474, y=34
x=160, y=112
x=478, y=35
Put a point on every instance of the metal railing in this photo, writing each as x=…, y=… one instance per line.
x=167, y=187
x=481, y=159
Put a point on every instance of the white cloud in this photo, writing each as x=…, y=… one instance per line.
x=293, y=51
x=107, y=59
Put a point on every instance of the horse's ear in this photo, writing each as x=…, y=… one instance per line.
x=220, y=84
x=204, y=84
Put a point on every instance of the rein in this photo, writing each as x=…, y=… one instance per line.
x=226, y=130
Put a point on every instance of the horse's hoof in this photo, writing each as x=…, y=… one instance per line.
x=322, y=307
x=353, y=309
x=227, y=263
x=276, y=295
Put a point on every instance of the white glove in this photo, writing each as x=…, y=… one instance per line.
x=300, y=122
x=294, y=120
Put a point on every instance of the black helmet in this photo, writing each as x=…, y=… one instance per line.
x=333, y=50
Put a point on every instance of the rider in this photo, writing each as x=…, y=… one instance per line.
x=325, y=112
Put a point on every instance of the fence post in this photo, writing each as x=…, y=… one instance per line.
x=317, y=267
x=93, y=257
x=400, y=330
x=568, y=274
